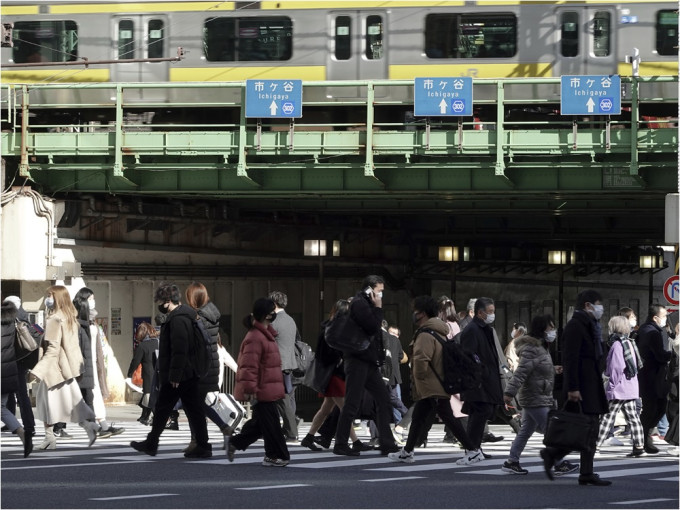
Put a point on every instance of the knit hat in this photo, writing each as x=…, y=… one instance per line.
x=15, y=300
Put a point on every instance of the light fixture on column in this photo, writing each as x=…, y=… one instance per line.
x=561, y=257
x=454, y=254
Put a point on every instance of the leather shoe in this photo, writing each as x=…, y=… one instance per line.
x=199, y=453
x=490, y=438
x=548, y=463
x=384, y=450
x=593, y=479
x=145, y=447
x=324, y=442
x=343, y=449
x=651, y=449
x=361, y=447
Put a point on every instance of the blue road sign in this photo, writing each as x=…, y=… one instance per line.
x=438, y=97
x=594, y=95
x=274, y=99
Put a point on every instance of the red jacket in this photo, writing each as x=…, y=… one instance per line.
x=259, y=366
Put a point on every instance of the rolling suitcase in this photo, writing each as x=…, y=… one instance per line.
x=228, y=408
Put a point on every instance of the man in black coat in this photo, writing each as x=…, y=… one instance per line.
x=362, y=370
x=177, y=376
x=654, y=386
x=582, y=358
x=480, y=403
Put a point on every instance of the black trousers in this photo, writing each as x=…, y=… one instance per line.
x=263, y=424
x=652, y=411
x=587, y=456
x=479, y=413
x=25, y=401
x=193, y=407
x=363, y=376
x=423, y=416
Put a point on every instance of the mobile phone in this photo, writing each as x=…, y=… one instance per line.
x=368, y=291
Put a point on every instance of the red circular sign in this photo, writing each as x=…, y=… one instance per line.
x=671, y=290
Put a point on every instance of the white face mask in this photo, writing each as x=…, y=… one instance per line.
x=550, y=336
x=662, y=322
x=632, y=322
x=490, y=318
x=90, y=303
x=597, y=311
x=379, y=294
x=49, y=302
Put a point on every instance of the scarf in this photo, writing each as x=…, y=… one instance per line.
x=630, y=355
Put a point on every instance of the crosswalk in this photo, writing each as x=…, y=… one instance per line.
x=610, y=461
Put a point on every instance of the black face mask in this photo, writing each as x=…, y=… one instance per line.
x=272, y=317
x=163, y=308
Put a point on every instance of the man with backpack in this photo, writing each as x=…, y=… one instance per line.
x=178, y=373
x=427, y=375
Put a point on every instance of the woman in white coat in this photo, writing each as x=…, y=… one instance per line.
x=58, y=397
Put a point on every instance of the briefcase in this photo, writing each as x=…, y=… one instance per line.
x=227, y=407
x=569, y=430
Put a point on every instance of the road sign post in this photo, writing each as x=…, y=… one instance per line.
x=274, y=99
x=671, y=290
x=590, y=95
x=440, y=97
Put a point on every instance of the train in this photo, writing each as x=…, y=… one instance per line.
x=333, y=41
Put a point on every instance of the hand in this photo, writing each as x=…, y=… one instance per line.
x=32, y=377
x=558, y=369
x=507, y=399
x=248, y=397
x=574, y=396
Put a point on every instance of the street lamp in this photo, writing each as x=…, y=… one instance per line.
x=318, y=248
x=651, y=259
x=561, y=258
x=454, y=254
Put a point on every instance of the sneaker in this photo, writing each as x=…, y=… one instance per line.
x=272, y=462
x=471, y=457
x=402, y=456
x=397, y=438
x=514, y=468
x=613, y=441
x=565, y=467
x=103, y=434
x=63, y=434
x=374, y=443
x=675, y=451
x=115, y=430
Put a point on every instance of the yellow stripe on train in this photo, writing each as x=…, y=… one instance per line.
x=52, y=75
x=191, y=74
x=472, y=69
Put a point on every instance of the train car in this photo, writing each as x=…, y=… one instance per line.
x=336, y=40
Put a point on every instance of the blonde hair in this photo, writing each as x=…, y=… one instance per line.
x=619, y=324
x=63, y=304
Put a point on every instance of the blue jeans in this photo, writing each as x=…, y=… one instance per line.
x=533, y=419
x=7, y=416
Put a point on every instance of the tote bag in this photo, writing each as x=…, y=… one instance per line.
x=569, y=430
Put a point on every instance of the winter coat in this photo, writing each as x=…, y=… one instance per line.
x=478, y=337
x=369, y=317
x=581, y=362
x=62, y=359
x=86, y=379
x=10, y=379
x=427, y=362
x=652, y=376
x=144, y=354
x=259, y=366
x=174, y=346
x=99, y=357
x=619, y=387
x=286, y=328
x=534, y=375
x=210, y=316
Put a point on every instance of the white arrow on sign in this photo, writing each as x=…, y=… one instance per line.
x=442, y=107
x=273, y=108
x=590, y=104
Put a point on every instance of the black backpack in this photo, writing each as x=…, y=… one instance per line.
x=202, y=348
x=462, y=368
x=304, y=356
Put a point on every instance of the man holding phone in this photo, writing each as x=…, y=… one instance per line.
x=362, y=370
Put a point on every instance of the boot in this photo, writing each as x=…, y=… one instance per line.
x=50, y=442
x=144, y=418
x=27, y=440
x=91, y=428
x=172, y=422
x=192, y=445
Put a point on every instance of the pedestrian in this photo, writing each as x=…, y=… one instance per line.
x=447, y=313
x=480, y=403
x=622, y=389
x=519, y=329
x=532, y=383
x=146, y=340
x=58, y=397
x=427, y=365
x=9, y=383
x=178, y=377
x=654, y=386
x=362, y=369
x=259, y=380
x=582, y=354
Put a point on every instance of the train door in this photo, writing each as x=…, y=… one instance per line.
x=140, y=37
x=356, y=49
x=585, y=40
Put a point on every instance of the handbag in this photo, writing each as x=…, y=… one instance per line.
x=318, y=376
x=137, y=376
x=569, y=430
x=24, y=343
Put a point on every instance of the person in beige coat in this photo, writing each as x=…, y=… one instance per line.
x=427, y=374
x=58, y=397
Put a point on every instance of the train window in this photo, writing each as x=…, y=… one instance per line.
x=666, y=32
x=602, y=34
x=569, y=40
x=374, y=37
x=44, y=41
x=470, y=35
x=343, y=38
x=248, y=39
x=155, y=36
x=126, y=39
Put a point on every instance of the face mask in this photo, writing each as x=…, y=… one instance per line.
x=90, y=303
x=597, y=311
x=662, y=322
x=513, y=333
x=632, y=322
x=272, y=317
x=490, y=318
x=415, y=317
x=49, y=302
x=162, y=308
x=379, y=294
x=550, y=336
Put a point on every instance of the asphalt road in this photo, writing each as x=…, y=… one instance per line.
x=112, y=475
